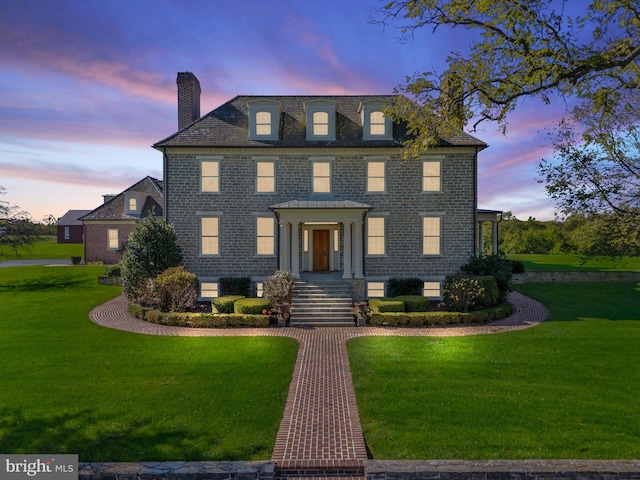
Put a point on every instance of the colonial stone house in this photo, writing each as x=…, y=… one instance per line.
x=107, y=228
x=315, y=185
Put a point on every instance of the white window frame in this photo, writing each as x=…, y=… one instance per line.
x=67, y=233
x=265, y=220
x=212, y=161
x=371, y=161
x=203, y=218
x=113, y=239
x=265, y=105
x=376, y=287
x=260, y=188
x=208, y=285
x=366, y=109
x=370, y=236
x=317, y=161
x=314, y=107
x=427, y=234
x=425, y=162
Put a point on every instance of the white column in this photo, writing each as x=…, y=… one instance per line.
x=480, y=238
x=295, y=249
x=284, y=246
x=347, y=251
x=358, y=250
x=494, y=237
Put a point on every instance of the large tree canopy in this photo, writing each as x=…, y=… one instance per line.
x=16, y=228
x=528, y=48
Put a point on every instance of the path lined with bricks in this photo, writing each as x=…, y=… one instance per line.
x=320, y=430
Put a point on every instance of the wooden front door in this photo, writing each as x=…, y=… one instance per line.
x=321, y=250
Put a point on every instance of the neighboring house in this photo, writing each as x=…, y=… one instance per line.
x=315, y=184
x=107, y=227
x=69, y=228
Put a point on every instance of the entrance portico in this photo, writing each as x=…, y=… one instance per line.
x=321, y=234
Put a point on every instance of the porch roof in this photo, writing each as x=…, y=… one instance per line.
x=321, y=202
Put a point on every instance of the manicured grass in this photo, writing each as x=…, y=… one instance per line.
x=576, y=263
x=70, y=386
x=568, y=388
x=46, y=249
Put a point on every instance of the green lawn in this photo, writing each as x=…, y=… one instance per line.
x=568, y=388
x=576, y=263
x=46, y=249
x=70, y=386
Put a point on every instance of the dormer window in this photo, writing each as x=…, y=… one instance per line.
x=133, y=203
x=375, y=125
x=320, y=119
x=264, y=119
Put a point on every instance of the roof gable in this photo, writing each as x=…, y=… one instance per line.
x=149, y=188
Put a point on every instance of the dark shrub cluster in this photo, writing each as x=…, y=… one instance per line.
x=405, y=286
x=235, y=286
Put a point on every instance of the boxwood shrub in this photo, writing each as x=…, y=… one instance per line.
x=414, y=303
x=225, y=304
x=253, y=306
x=382, y=305
x=405, y=286
x=427, y=319
x=206, y=320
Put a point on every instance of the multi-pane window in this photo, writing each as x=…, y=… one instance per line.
x=321, y=177
x=112, y=239
x=209, y=289
x=375, y=289
x=431, y=176
x=431, y=289
x=265, y=176
x=431, y=235
x=265, y=236
x=320, y=124
x=210, y=176
x=210, y=238
x=375, y=236
x=133, y=204
x=377, y=123
x=263, y=123
x=259, y=289
x=375, y=176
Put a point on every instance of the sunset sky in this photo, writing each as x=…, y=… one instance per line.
x=87, y=86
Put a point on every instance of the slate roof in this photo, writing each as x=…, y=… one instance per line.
x=228, y=126
x=72, y=217
x=114, y=209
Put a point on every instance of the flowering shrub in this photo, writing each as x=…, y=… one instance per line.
x=465, y=294
x=175, y=290
x=278, y=288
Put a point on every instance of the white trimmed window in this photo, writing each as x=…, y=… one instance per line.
x=209, y=235
x=265, y=176
x=320, y=119
x=377, y=125
x=375, y=236
x=66, y=233
x=431, y=234
x=375, y=176
x=112, y=239
x=209, y=289
x=133, y=204
x=321, y=177
x=259, y=289
x=265, y=236
x=432, y=289
x=431, y=176
x=264, y=119
x=210, y=176
x=375, y=289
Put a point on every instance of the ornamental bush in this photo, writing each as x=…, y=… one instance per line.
x=462, y=293
x=224, y=304
x=498, y=266
x=414, y=303
x=405, y=286
x=235, y=286
x=176, y=290
x=382, y=305
x=253, y=306
x=278, y=288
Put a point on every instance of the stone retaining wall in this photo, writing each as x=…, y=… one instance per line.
x=502, y=470
x=561, y=276
x=177, y=471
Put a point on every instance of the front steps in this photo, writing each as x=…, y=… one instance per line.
x=325, y=302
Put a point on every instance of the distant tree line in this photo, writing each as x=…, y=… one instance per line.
x=588, y=235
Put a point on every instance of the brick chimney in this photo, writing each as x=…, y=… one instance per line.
x=188, y=99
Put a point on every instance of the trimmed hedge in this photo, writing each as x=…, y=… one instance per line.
x=414, y=303
x=225, y=304
x=383, y=305
x=253, y=306
x=198, y=320
x=426, y=319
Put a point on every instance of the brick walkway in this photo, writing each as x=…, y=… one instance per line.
x=320, y=430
